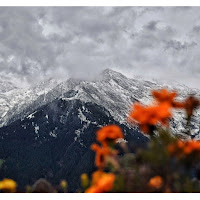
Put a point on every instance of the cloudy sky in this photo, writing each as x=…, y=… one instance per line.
x=62, y=42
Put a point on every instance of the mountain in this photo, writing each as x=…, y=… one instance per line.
x=16, y=100
x=110, y=89
x=46, y=130
x=6, y=87
x=54, y=142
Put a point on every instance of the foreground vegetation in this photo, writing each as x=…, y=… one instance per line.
x=167, y=164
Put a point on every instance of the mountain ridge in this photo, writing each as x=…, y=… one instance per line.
x=110, y=89
x=54, y=142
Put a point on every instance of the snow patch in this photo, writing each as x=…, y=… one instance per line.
x=37, y=128
x=31, y=116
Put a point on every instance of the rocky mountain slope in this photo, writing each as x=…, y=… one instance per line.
x=15, y=99
x=111, y=89
x=54, y=142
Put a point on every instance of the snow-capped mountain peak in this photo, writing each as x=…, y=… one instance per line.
x=111, y=89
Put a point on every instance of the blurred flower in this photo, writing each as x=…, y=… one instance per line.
x=84, y=180
x=192, y=146
x=109, y=133
x=148, y=116
x=156, y=182
x=101, y=153
x=93, y=189
x=64, y=185
x=182, y=148
x=101, y=182
x=164, y=96
x=96, y=176
x=8, y=185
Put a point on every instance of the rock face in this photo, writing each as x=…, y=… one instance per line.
x=46, y=131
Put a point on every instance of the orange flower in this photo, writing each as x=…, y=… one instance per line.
x=180, y=144
x=101, y=153
x=101, y=182
x=110, y=132
x=180, y=148
x=96, y=176
x=164, y=96
x=150, y=116
x=192, y=146
x=105, y=184
x=93, y=189
x=156, y=182
x=163, y=113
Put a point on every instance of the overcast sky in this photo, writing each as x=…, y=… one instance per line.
x=62, y=42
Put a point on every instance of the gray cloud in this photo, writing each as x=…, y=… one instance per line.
x=178, y=46
x=154, y=42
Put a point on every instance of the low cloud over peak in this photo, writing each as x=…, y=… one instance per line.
x=79, y=42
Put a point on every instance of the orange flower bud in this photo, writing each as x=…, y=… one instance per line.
x=156, y=182
x=110, y=132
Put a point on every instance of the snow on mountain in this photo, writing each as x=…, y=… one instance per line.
x=6, y=87
x=54, y=142
x=15, y=100
x=110, y=89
